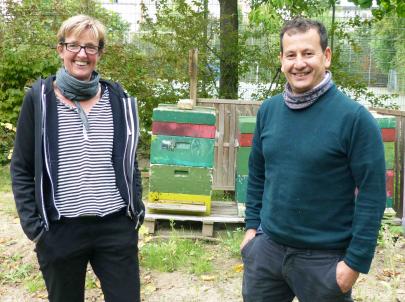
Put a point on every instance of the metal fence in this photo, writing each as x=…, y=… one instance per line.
x=362, y=57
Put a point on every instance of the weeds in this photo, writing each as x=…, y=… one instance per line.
x=5, y=180
x=232, y=240
x=35, y=283
x=223, y=195
x=175, y=254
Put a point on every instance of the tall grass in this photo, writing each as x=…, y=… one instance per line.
x=5, y=180
x=176, y=253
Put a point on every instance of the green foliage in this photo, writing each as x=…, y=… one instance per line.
x=175, y=254
x=170, y=38
x=5, y=180
x=28, y=44
x=389, y=48
x=389, y=235
x=267, y=18
x=13, y=270
x=385, y=7
x=35, y=283
x=7, y=133
x=232, y=240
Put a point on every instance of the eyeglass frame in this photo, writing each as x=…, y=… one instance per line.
x=85, y=47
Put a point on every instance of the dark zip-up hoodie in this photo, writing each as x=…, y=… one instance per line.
x=34, y=164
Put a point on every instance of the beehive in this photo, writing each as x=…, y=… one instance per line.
x=182, y=157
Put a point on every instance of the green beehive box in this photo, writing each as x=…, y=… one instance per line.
x=385, y=121
x=389, y=202
x=242, y=160
x=389, y=149
x=180, y=180
x=198, y=115
x=247, y=124
x=241, y=188
x=182, y=150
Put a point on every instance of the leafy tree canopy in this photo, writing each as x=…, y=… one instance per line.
x=28, y=44
x=385, y=7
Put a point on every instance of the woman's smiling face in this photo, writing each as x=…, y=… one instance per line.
x=80, y=65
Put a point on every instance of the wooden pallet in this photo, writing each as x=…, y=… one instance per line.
x=221, y=212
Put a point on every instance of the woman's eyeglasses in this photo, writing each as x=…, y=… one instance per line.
x=76, y=48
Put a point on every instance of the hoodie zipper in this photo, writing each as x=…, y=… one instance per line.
x=124, y=162
x=43, y=134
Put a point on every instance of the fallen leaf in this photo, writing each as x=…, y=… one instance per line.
x=147, y=278
x=149, y=289
x=238, y=268
x=208, y=277
x=390, y=273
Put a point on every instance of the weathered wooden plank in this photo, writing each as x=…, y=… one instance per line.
x=178, y=217
x=230, y=165
x=224, y=171
x=385, y=111
x=220, y=149
x=208, y=228
x=178, y=129
x=182, y=150
x=216, y=215
x=180, y=179
x=228, y=101
x=170, y=113
x=178, y=207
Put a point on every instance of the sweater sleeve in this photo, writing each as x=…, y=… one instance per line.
x=256, y=179
x=22, y=170
x=366, y=158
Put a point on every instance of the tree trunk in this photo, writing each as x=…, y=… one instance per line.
x=229, y=57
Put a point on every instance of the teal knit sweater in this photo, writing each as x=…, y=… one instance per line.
x=303, y=171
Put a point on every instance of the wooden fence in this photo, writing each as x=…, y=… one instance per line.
x=228, y=112
x=399, y=165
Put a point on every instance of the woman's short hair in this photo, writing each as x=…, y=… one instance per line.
x=78, y=24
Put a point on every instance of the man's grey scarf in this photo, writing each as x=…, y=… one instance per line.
x=306, y=99
x=77, y=91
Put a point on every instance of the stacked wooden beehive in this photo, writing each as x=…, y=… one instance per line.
x=182, y=159
x=387, y=124
x=245, y=136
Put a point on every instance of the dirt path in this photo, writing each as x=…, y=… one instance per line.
x=385, y=283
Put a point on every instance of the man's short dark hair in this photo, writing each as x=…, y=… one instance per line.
x=302, y=25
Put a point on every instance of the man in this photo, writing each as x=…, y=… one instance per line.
x=308, y=234
x=75, y=177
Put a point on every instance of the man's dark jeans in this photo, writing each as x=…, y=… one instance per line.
x=277, y=273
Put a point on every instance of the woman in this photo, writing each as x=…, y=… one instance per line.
x=75, y=177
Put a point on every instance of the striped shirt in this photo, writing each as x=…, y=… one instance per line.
x=86, y=177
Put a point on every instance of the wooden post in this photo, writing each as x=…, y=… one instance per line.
x=193, y=68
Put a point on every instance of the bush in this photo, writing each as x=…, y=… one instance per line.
x=7, y=132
